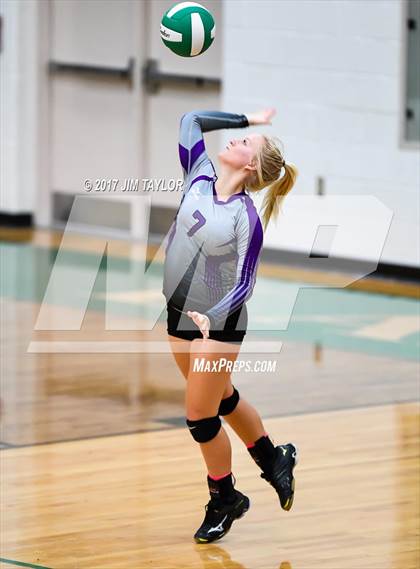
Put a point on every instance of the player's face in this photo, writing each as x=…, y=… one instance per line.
x=240, y=152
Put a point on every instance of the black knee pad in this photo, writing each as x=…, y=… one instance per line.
x=204, y=430
x=228, y=405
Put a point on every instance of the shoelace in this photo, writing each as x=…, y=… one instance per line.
x=211, y=512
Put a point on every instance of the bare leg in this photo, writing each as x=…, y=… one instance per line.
x=244, y=419
x=204, y=393
x=219, y=452
x=182, y=357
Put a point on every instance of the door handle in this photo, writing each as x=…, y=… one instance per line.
x=153, y=78
x=94, y=70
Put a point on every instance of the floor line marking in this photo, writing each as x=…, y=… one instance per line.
x=391, y=329
x=23, y=564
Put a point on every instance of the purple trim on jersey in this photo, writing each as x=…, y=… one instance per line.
x=189, y=157
x=183, y=156
x=239, y=293
x=203, y=177
x=231, y=198
x=196, y=151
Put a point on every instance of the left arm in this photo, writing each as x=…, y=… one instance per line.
x=249, y=242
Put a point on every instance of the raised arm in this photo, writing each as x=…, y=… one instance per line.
x=249, y=244
x=192, y=151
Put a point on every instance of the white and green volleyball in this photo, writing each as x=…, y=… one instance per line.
x=188, y=29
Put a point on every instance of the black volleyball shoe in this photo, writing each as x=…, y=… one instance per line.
x=219, y=518
x=280, y=475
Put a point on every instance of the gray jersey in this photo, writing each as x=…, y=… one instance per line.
x=213, y=246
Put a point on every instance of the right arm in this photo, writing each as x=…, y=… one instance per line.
x=192, y=151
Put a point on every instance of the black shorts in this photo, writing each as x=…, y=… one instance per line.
x=233, y=331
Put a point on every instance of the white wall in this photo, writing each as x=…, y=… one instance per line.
x=334, y=71
x=19, y=100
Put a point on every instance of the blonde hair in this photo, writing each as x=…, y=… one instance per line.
x=269, y=163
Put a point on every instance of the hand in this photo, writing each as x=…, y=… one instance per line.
x=261, y=117
x=202, y=322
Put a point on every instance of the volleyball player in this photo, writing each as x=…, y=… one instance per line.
x=211, y=262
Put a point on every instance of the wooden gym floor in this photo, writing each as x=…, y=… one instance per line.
x=98, y=471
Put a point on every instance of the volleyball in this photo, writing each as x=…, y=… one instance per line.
x=187, y=29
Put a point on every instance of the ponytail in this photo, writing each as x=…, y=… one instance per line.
x=269, y=163
x=276, y=193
